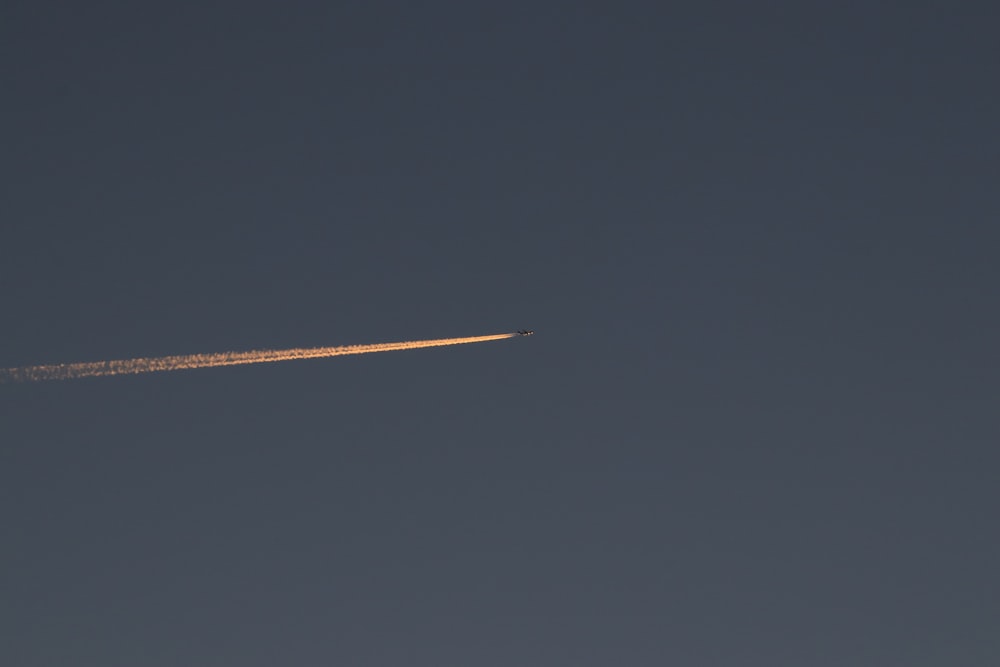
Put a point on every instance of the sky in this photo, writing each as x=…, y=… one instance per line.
x=757, y=423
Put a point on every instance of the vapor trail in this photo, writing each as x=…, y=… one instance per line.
x=180, y=362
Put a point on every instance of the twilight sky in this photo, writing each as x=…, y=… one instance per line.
x=758, y=423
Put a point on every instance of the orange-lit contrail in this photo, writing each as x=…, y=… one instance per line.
x=180, y=362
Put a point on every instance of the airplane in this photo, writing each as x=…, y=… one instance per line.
x=525, y=332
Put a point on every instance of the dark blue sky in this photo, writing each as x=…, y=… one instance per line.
x=758, y=423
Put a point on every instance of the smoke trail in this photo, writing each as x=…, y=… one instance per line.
x=180, y=362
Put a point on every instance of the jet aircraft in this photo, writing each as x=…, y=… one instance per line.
x=525, y=332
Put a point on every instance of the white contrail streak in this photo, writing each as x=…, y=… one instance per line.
x=180, y=362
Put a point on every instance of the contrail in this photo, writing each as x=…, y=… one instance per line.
x=181, y=362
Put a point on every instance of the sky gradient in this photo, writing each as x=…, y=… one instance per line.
x=758, y=421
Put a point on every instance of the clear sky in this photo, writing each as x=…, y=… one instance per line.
x=758, y=423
